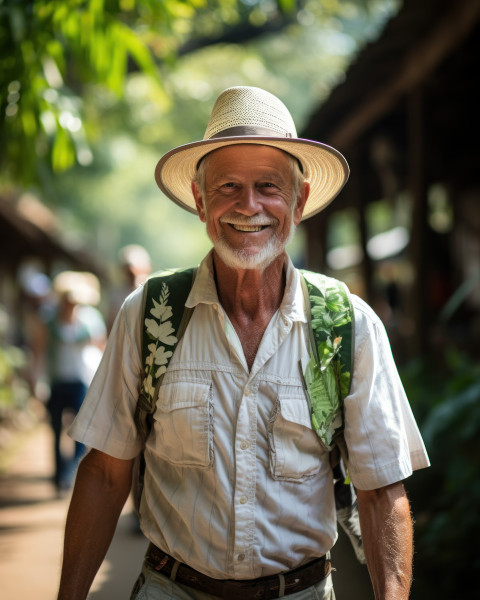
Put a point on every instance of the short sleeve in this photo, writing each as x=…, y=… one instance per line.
x=106, y=419
x=383, y=439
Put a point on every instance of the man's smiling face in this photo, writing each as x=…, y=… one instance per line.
x=248, y=204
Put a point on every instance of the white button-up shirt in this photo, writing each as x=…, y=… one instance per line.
x=237, y=484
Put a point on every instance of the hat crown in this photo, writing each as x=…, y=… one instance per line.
x=252, y=108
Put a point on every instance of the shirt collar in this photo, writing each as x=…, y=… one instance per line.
x=204, y=290
x=293, y=303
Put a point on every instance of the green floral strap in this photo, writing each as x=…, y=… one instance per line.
x=327, y=373
x=164, y=321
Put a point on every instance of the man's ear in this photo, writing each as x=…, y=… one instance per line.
x=198, y=202
x=300, y=204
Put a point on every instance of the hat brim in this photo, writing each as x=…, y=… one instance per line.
x=325, y=169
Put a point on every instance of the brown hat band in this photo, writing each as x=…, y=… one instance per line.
x=245, y=130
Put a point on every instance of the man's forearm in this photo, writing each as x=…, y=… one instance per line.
x=100, y=492
x=387, y=535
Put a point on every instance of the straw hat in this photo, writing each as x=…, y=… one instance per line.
x=250, y=115
x=79, y=287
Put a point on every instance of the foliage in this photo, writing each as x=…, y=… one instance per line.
x=85, y=133
x=445, y=497
x=114, y=193
x=51, y=48
x=13, y=388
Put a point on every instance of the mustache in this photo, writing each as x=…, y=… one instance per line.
x=253, y=221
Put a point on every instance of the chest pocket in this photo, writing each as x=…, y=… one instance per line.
x=295, y=453
x=183, y=424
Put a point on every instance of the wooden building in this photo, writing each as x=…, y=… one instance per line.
x=30, y=237
x=406, y=117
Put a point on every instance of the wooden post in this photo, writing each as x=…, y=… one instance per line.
x=360, y=201
x=316, y=242
x=416, y=311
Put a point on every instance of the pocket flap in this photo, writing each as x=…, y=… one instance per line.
x=295, y=410
x=184, y=394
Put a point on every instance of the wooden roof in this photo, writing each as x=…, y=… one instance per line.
x=406, y=118
x=29, y=230
x=431, y=46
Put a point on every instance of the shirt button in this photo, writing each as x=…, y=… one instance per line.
x=247, y=392
x=243, y=499
x=241, y=557
x=244, y=445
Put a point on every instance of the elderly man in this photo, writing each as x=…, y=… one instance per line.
x=238, y=496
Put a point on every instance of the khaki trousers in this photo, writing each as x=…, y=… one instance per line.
x=152, y=585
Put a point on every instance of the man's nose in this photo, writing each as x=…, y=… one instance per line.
x=248, y=202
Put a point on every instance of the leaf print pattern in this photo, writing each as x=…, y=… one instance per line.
x=161, y=332
x=326, y=381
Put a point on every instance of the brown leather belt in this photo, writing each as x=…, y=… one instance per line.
x=264, y=588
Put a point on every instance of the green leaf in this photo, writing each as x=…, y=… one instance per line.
x=118, y=66
x=287, y=6
x=63, y=152
x=321, y=386
x=344, y=380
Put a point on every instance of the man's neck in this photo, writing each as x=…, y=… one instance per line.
x=250, y=292
x=250, y=297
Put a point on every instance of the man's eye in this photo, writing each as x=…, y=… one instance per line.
x=228, y=185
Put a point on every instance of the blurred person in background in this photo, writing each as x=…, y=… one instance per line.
x=35, y=305
x=73, y=343
x=135, y=266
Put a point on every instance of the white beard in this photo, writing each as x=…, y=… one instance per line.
x=244, y=258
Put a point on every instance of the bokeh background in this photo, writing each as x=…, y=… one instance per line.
x=93, y=92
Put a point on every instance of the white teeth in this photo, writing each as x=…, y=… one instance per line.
x=247, y=227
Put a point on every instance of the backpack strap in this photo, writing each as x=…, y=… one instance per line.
x=328, y=372
x=164, y=321
x=328, y=376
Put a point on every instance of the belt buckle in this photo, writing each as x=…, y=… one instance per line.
x=159, y=566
